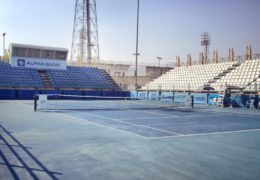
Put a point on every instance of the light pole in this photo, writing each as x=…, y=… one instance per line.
x=4, y=44
x=159, y=60
x=136, y=60
x=136, y=46
x=205, y=41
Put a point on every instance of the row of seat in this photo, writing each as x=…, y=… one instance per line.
x=18, y=77
x=85, y=77
x=216, y=76
x=188, y=77
x=73, y=77
x=242, y=76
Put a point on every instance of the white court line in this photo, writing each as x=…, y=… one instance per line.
x=115, y=129
x=179, y=135
x=202, y=115
x=161, y=130
x=156, y=138
x=171, y=124
x=139, y=125
x=228, y=113
x=167, y=117
x=204, y=134
x=104, y=126
x=149, y=112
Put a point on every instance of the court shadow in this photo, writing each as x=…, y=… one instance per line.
x=5, y=137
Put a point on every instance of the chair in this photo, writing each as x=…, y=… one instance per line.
x=250, y=104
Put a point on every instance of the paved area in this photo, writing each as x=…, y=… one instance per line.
x=205, y=143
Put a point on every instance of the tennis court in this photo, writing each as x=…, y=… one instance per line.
x=153, y=119
x=114, y=140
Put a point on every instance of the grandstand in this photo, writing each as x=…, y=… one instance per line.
x=15, y=77
x=40, y=70
x=253, y=87
x=188, y=77
x=72, y=78
x=216, y=77
x=242, y=76
x=81, y=78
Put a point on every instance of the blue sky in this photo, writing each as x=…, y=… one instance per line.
x=167, y=27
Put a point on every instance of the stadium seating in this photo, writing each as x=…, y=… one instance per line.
x=72, y=78
x=253, y=87
x=81, y=77
x=194, y=78
x=188, y=77
x=244, y=76
x=18, y=77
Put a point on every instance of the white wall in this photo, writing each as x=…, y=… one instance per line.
x=141, y=71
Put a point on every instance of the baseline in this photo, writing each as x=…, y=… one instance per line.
x=205, y=134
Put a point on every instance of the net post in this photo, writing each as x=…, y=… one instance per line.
x=192, y=101
x=56, y=98
x=125, y=102
x=35, y=102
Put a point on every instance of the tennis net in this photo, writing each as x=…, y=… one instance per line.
x=60, y=102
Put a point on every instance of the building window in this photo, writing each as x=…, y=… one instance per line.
x=21, y=52
x=60, y=55
x=34, y=53
x=47, y=54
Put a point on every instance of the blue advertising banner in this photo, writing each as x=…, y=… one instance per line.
x=167, y=96
x=211, y=98
x=180, y=97
x=153, y=96
x=142, y=95
x=134, y=94
x=199, y=98
x=38, y=63
x=237, y=101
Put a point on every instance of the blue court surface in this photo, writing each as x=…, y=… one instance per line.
x=156, y=124
x=111, y=142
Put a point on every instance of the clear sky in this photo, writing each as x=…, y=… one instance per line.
x=167, y=27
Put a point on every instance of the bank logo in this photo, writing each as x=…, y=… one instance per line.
x=21, y=62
